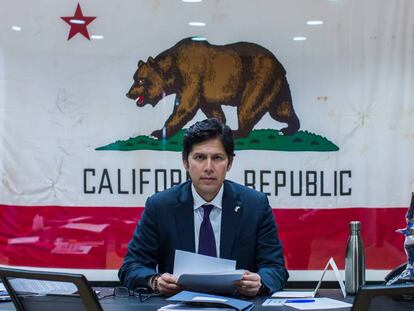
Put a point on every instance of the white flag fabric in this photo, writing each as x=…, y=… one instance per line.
x=77, y=159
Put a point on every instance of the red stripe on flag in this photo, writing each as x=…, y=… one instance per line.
x=311, y=236
x=97, y=237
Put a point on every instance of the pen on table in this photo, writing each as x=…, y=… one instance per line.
x=299, y=300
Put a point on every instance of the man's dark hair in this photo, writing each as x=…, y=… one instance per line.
x=207, y=129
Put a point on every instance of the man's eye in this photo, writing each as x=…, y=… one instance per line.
x=198, y=157
x=218, y=158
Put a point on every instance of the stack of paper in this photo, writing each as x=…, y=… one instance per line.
x=200, y=301
x=186, y=307
x=206, y=274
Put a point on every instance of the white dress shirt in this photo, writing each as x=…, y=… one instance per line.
x=215, y=216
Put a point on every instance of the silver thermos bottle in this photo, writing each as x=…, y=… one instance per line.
x=354, y=260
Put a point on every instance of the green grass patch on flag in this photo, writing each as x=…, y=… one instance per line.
x=268, y=139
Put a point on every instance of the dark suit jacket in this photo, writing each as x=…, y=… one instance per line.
x=248, y=235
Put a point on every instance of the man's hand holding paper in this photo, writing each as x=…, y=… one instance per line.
x=167, y=284
x=210, y=274
x=249, y=285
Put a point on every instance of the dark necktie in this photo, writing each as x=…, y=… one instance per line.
x=207, y=242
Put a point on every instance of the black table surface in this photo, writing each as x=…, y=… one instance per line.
x=132, y=303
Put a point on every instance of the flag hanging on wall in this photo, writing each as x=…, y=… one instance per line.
x=94, y=100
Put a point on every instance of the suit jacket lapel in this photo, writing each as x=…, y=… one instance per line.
x=184, y=219
x=230, y=220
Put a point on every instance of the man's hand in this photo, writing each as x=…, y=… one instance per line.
x=249, y=284
x=167, y=284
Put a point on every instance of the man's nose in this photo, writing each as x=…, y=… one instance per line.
x=208, y=164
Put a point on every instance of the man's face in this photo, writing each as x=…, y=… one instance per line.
x=207, y=165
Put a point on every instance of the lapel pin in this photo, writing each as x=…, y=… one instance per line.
x=236, y=209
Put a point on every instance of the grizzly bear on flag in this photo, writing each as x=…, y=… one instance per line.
x=205, y=76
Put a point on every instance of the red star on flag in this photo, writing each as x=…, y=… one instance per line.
x=78, y=23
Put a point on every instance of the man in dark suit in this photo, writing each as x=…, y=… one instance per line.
x=208, y=215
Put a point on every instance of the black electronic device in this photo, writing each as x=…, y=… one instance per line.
x=46, y=291
x=384, y=298
x=395, y=272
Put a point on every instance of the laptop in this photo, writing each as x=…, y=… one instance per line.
x=384, y=298
x=47, y=291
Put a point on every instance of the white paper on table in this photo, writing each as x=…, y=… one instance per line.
x=274, y=302
x=320, y=303
x=311, y=294
x=191, y=263
x=294, y=294
x=187, y=307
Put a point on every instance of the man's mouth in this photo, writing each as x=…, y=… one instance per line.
x=208, y=179
x=140, y=101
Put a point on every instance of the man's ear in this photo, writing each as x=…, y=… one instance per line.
x=229, y=164
x=185, y=164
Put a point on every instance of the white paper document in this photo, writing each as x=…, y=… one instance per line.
x=191, y=263
x=276, y=302
x=319, y=303
x=187, y=307
x=206, y=274
x=294, y=294
x=311, y=294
